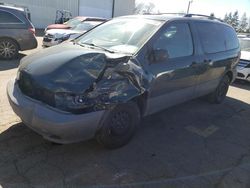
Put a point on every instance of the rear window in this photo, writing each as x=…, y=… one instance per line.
x=217, y=37
x=6, y=17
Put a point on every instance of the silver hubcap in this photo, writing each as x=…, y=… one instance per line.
x=7, y=49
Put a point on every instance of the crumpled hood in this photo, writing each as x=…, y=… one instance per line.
x=80, y=79
x=49, y=59
x=65, y=68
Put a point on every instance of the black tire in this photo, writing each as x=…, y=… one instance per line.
x=220, y=92
x=119, y=126
x=8, y=49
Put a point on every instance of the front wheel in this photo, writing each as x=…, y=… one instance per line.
x=8, y=49
x=220, y=92
x=119, y=126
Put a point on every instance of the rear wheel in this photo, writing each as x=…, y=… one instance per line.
x=8, y=49
x=119, y=126
x=221, y=91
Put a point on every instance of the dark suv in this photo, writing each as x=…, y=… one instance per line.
x=16, y=32
x=102, y=83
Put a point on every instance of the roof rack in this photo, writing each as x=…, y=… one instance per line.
x=160, y=13
x=205, y=16
x=211, y=17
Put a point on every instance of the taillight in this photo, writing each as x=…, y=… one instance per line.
x=32, y=30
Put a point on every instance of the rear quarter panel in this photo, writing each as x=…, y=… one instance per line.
x=214, y=65
x=24, y=38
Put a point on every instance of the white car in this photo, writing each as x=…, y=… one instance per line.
x=56, y=36
x=243, y=68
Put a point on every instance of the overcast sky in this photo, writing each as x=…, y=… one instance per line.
x=218, y=7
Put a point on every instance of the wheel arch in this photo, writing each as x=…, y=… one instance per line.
x=141, y=101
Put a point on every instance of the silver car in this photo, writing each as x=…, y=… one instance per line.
x=16, y=32
x=243, y=68
x=56, y=36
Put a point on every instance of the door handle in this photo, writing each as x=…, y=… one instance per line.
x=194, y=64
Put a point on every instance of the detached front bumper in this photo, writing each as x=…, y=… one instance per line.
x=53, y=124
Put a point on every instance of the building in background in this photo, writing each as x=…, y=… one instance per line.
x=43, y=12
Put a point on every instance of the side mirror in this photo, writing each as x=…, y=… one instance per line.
x=159, y=55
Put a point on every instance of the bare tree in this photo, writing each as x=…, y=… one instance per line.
x=225, y=18
x=145, y=8
x=229, y=18
x=235, y=20
x=248, y=28
x=243, y=23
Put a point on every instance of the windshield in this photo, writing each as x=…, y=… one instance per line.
x=73, y=22
x=87, y=25
x=245, y=44
x=121, y=35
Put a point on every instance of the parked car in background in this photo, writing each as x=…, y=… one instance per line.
x=16, y=32
x=56, y=36
x=19, y=7
x=244, y=35
x=243, y=68
x=102, y=83
x=71, y=23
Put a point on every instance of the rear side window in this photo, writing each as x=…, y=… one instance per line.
x=6, y=18
x=176, y=39
x=217, y=37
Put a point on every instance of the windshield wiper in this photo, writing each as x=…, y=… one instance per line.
x=95, y=46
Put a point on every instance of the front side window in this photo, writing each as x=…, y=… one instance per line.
x=176, y=40
x=6, y=17
x=125, y=35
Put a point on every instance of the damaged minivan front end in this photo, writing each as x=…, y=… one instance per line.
x=66, y=92
x=90, y=82
x=47, y=95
